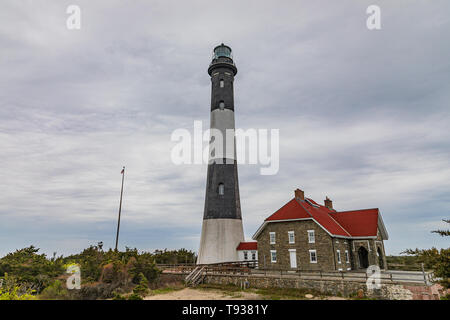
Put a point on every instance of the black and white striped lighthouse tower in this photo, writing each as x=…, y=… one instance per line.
x=222, y=229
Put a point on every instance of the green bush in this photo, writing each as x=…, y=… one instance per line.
x=118, y=296
x=102, y=272
x=30, y=268
x=135, y=296
x=142, y=288
x=55, y=291
x=12, y=290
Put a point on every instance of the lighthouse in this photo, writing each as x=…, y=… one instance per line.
x=222, y=229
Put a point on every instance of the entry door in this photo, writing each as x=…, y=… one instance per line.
x=293, y=258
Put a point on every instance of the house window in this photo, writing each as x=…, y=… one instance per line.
x=221, y=189
x=311, y=236
x=272, y=237
x=291, y=236
x=221, y=105
x=253, y=255
x=346, y=256
x=221, y=83
x=338, y=256
x=273, y=256
x=245, y=255
x=312, y=256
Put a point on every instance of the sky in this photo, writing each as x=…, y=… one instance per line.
x=364, y=116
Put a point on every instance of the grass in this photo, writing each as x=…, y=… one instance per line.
x=165, y=290
x=266, y=293
x=287, y=293
x=227, y=288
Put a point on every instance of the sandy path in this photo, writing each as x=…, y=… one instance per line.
x=197, y=294
x=210, y=294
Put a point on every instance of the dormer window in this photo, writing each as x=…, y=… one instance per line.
x=221, y=189
x=221, y=83
x=221, y=105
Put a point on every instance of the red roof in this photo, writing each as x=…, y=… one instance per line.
x=358, y=223
x=248, y=246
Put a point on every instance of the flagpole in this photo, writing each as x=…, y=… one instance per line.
x=120, y=208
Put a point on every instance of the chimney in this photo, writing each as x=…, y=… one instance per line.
x=328, y=203
x=299, y=194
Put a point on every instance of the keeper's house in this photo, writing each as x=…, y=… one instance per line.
x=304, y=235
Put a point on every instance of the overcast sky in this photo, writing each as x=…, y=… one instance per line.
x=364, y=116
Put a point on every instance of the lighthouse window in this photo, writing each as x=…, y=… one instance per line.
x=221, y=105
x=221, y=189
x=221, y=83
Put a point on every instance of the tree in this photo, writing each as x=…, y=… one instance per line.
x=443, y=233
x=437, y=260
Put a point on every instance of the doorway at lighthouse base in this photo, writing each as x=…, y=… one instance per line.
x=215, y=233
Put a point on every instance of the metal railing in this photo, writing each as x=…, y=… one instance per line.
x=247, y=268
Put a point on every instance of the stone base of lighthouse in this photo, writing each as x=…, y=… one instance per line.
x=219, y=240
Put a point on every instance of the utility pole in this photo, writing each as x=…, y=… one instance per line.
x=120, y=207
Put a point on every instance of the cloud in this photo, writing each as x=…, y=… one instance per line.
x=363, y=115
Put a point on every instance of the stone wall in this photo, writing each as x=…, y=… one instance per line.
x=326, y=248
x=390, y=291
x=342, y=245
x=323, y=246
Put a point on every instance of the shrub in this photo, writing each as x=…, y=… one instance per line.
x=142, y=288
x=55, y=291
x=11, y=290
x=134, y=296
x=118, y=296
x=144, y=264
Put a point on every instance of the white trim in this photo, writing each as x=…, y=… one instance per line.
x=271, y=256
x=313, y=236
x=274, y=237
x=347, y=257
x=349, y=268
x=315, y=254
x=340, y=269
x=338, y=254
x=262, y=226
x=293, y=260
x=293, y=237
x=384, y=234
x=340, y=225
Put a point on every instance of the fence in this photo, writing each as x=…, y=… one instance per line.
x=250, y=269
